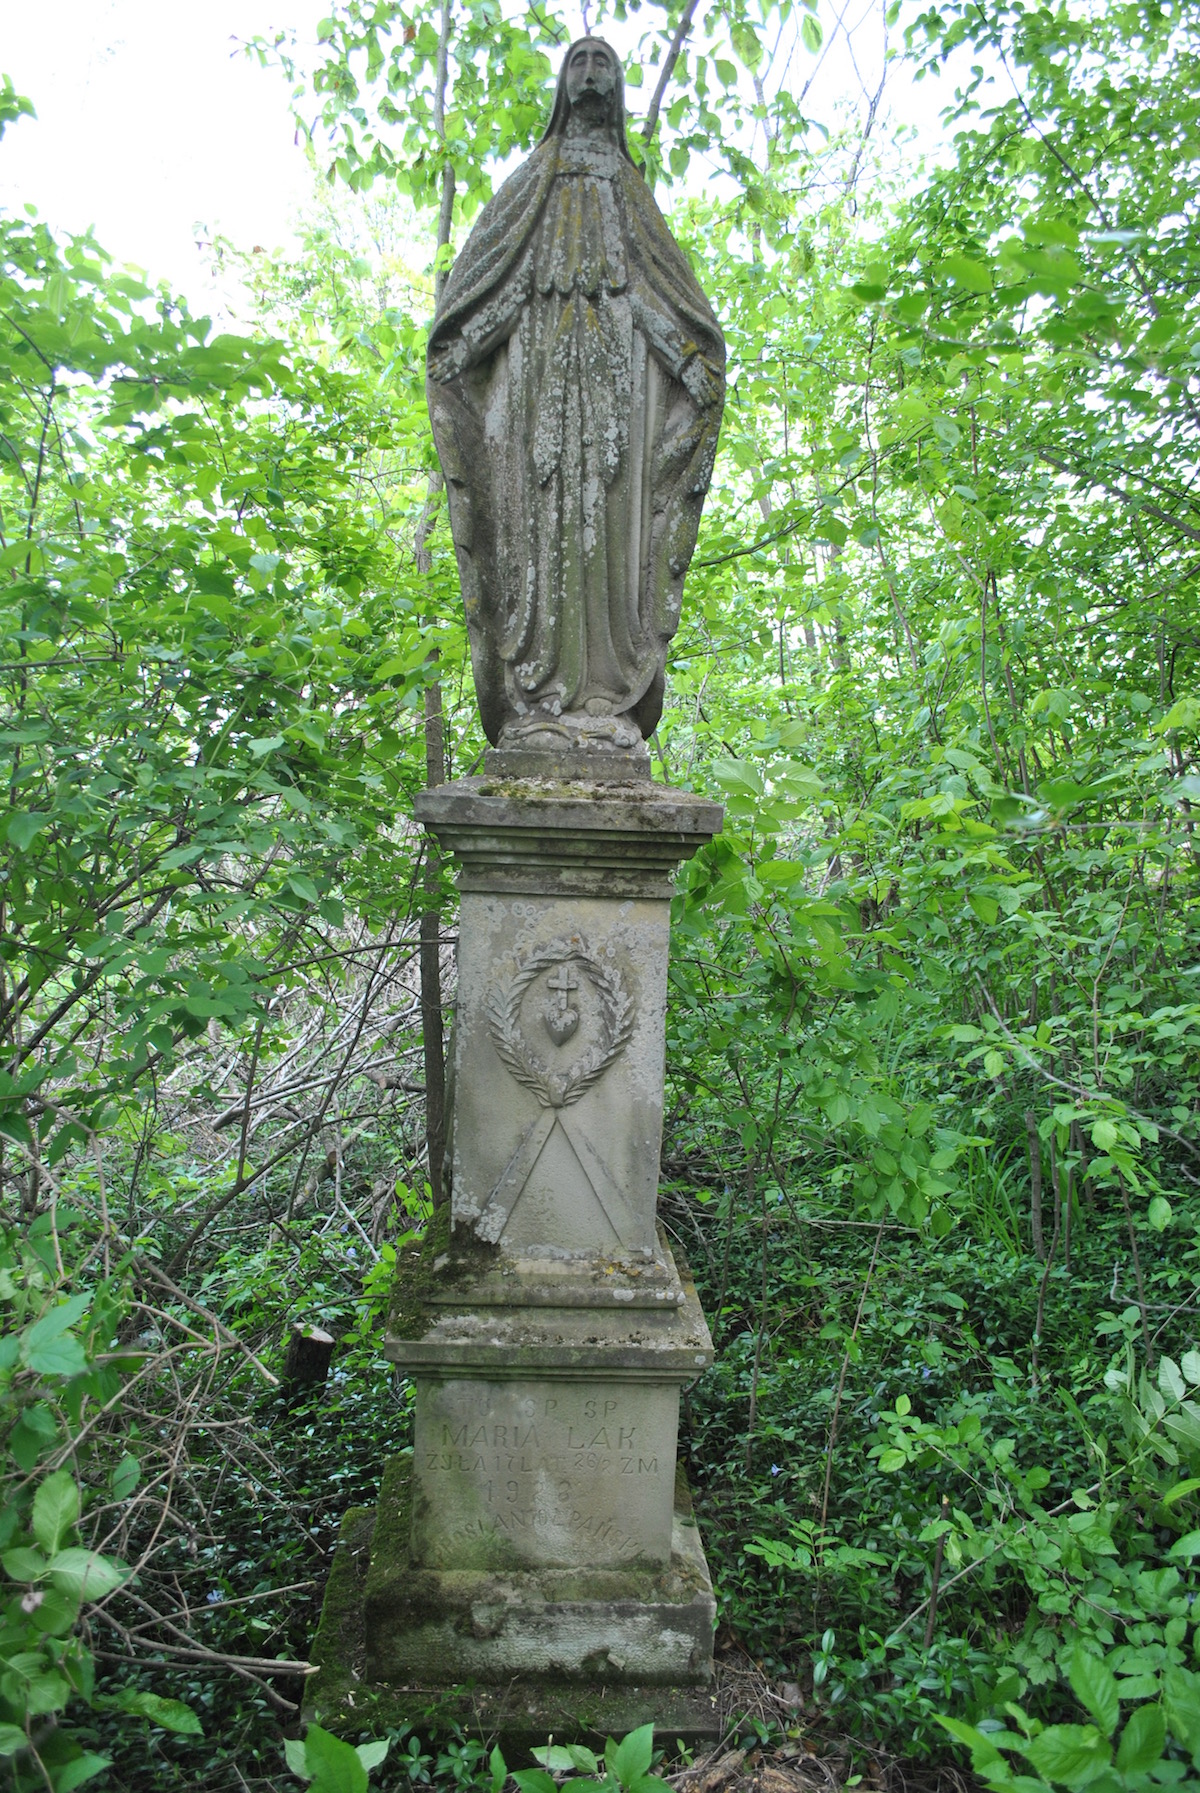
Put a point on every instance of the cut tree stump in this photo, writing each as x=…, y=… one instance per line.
x=308, y=1354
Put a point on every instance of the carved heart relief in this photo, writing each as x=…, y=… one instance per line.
x=561, y=1024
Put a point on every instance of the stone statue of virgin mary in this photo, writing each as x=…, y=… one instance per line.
x=576, y=378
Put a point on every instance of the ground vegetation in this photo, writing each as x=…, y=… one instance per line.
x=932, y=1143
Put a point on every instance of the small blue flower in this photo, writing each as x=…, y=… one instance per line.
x=926, y=1373
x=213, y=1596
x=774, y=1469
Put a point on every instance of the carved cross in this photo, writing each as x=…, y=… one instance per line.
x=562, y=981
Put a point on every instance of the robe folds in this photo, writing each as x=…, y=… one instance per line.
x=576, y=383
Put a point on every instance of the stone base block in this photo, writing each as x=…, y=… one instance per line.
x=616, y=1625
x=568, y=765
x=544, y=1436
x=521, y=1713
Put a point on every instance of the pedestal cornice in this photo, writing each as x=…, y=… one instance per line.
x=535, y=837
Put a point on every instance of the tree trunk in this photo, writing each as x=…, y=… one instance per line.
x=432, y=1031
x=1035, y=1186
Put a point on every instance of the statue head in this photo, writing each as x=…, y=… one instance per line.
x=591, y=81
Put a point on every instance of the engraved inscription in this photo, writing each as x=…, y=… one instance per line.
x=567, y=1477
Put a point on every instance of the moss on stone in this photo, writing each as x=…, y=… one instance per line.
x=446, y=1259
x=351, y=1696
x=400, y=1595
x=521, y=1715
x=339, y=1648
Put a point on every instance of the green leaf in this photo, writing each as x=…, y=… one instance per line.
x=1181, y=1699
x=738, y=775
x=296, y=1756
x=1188, y=1546
x=24, y=1563
x=1184, y=714
x=1072, y=1754
x=1182, y=1489
x=335, y=1766
x=631, y=1758
x=86, y=1574
x=47, y=1347
x=372, y=1754
x=1159, y=1213
x=1170, y=1380
x=169, y=1715
x=62, y=1357
x=24, y=826
x=555, y=1758
x=972, y=275
x=55, y=1510
x=985, y=1757
x=12, y=1738
x=1142, y=1740
x=811, y=33
x=125, y=1477
x=534, y=1780
x=1095, y=1687
x=746, y=44
x=79, y=1769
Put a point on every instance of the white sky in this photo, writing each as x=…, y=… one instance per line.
x=153, y=122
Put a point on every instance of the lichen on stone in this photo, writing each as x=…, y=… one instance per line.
x=447, y=1258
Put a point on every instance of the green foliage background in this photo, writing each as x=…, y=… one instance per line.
x=932, y=1142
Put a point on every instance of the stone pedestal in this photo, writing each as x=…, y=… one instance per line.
x=540, y=1530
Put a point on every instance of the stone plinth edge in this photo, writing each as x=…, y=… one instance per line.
x=346, y=1696
x=576, y=838
x=665, y=1344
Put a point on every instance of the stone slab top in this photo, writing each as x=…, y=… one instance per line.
x=533, y=1342
x=632, y=806
x=562, y=1279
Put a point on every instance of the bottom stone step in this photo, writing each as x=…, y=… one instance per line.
x=518, y=1657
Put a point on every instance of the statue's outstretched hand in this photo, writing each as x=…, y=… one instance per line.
x=447, y=360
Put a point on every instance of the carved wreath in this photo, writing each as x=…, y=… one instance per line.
x=558, y=1089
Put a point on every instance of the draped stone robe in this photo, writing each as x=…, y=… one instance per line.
x=576, y=386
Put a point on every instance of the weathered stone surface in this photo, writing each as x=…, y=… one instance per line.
x=664, y=1342
x=521, y=1711
x=625, y=1285
x=542, y=837
x=580, y=762
x=576, y=383
x=521, y=1474
x=544, y=1437
x=559, y=1072
x=633, y=1624
x=562, y=965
